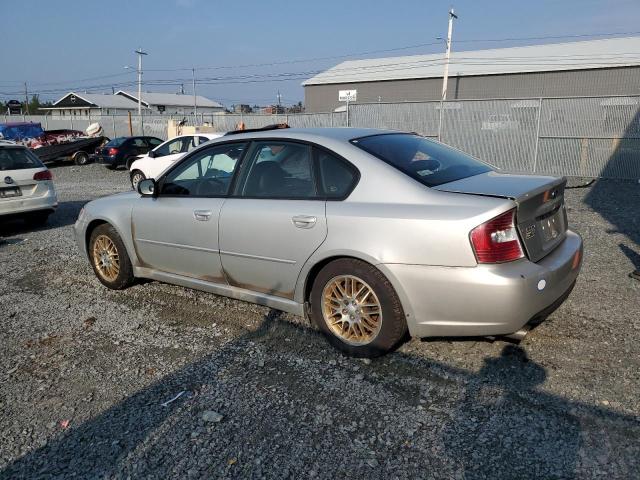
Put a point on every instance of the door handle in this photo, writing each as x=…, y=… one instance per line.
x=202, y=215
x=304, y=221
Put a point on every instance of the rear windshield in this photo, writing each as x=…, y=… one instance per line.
x=116, y=142
x=18, y=159
x=429, y=162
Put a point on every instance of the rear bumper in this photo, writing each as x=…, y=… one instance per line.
x=104, y=160
x=44, y=198
x=486, y=299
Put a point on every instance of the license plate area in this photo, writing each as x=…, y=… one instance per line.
x=10, y=192
x=552, y=226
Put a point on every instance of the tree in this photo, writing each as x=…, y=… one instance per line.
x=35, y=105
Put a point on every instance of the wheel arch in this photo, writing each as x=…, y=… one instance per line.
x=96, y=222
x=311, y=270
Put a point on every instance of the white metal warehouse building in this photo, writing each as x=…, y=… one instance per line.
x=585, y=68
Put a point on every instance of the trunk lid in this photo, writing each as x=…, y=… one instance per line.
x=541, y=217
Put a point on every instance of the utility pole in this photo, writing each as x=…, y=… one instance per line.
x=279, y=102
x=26, y=98
x=445, y=79
x=140, y=54
x=195, y=103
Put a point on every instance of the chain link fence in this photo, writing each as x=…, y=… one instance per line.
x=587, y=137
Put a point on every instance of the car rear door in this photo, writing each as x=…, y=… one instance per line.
x=274, y=221
x=177, y=232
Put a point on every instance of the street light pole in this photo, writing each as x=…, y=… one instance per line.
x=445, y=79
x=140, y=54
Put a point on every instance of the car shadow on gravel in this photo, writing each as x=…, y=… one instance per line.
x=308, y=413
x=65, y=214
x=618, y=201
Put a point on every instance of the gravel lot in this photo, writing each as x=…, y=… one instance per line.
x=85, y=372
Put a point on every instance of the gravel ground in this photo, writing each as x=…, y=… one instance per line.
x=86, y=373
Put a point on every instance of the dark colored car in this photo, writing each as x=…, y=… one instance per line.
x=124, y=150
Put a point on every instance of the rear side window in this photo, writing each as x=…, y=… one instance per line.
x=18, y=159
x=154, y=142
x=116, y=142
x=336, y=177
x=280, y=170
x=430, y=163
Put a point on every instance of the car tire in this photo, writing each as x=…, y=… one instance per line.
x=136, y=177
x=81, y=158
x=37, y=219
x=110, y=166
x=109, y=258
x=129, y=161
x=345, y=297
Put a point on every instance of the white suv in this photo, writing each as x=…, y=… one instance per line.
x=166, y=154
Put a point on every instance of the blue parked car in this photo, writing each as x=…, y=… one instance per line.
x=125, y=150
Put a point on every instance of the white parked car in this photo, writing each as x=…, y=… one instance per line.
x=166, y=154
x=26, y=186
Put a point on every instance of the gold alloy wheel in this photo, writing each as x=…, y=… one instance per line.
x=351, y=310
x=106, y=258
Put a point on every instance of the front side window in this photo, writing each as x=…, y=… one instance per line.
x=138, y=143
x=429, y=162
x=280, y=170
x=154, y=142
x=207, y=173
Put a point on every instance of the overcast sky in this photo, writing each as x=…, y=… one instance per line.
x=68, y=44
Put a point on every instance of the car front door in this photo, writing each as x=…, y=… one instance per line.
x=166, y=154
x=177, y=232
x=274, y=221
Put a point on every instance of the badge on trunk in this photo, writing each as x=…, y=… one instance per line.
x=8, y=180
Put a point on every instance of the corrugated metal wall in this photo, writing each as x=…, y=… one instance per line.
x=609, y=81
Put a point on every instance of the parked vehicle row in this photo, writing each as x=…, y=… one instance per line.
x=373, y=234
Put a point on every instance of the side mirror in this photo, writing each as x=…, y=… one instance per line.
x=151, y=154
x=147, y=187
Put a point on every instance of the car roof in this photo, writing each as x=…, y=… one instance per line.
x=343, y=134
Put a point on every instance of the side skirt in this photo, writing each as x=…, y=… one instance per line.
x=277, y=303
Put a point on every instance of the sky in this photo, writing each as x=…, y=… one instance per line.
x=248, y=51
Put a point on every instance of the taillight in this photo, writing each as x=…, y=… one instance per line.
x=497, y=240
x=112, y=151
x=44, y=175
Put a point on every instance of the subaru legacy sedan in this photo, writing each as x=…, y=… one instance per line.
x=372, y=234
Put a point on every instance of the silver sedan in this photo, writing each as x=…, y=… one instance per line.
x=373, y=234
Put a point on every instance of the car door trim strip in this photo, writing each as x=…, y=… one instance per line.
x=258, y=257
x=178, y=245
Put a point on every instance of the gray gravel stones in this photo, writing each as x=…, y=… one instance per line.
x=564, y=404
x=212, y=417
